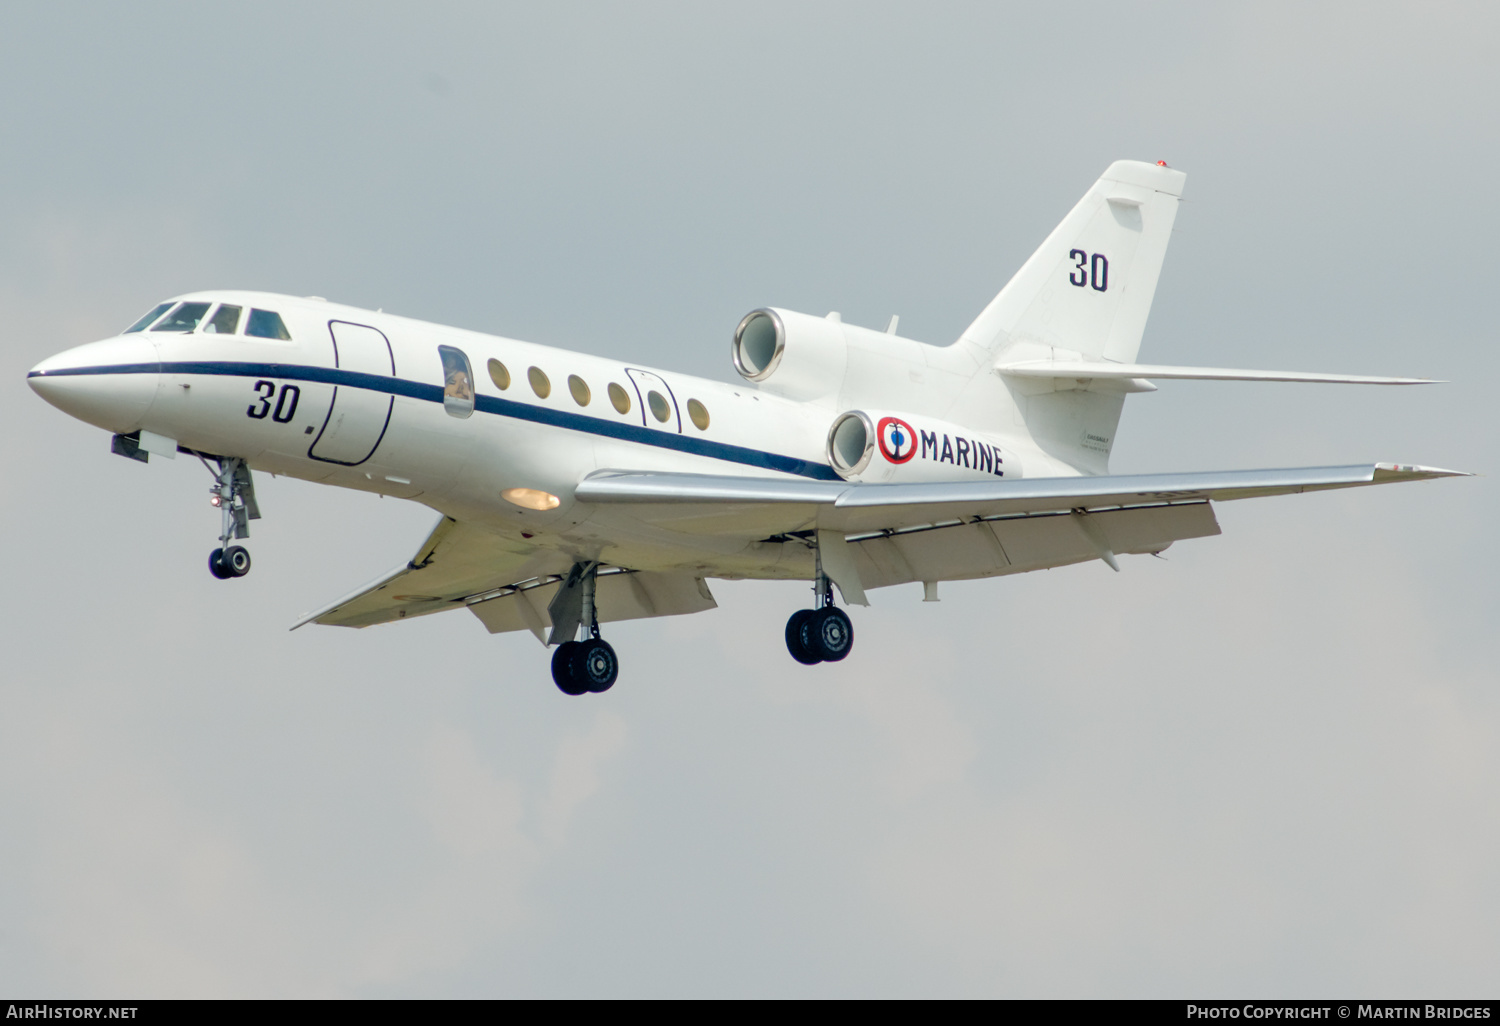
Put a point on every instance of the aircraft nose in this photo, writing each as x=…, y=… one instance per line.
x=109, y=384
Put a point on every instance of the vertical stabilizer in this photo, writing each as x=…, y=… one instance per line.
x=1088, y=289
x=1084, y=295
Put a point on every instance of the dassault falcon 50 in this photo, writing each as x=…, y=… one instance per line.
x=576, y=490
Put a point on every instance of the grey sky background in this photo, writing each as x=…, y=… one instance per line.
x=1266, y=766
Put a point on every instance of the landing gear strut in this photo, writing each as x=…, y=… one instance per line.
x=590, y=665
x=822, y=634
x=233, y=492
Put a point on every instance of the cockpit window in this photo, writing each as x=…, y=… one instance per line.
x=184, y=318
x=225, y=319
x=141, y=324
x=458, y=382
x=267, y=324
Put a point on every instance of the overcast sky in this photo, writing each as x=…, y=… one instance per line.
x=1265, y=766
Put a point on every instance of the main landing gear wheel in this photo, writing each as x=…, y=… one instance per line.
x=595, y=665
x=832, y=633
x=819, y=635
x=799, y=638
x=590, y=665
x=580, y=667
x=562, y=670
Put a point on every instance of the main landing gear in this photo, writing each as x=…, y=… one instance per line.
x=823, y=634
x=590, y=665
x=233, y=492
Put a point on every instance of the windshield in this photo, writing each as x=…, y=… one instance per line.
x=224, y=321
x=184, y=318
x=267, y=324
x=140, y=325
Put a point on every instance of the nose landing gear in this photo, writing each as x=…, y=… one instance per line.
x=233, y=492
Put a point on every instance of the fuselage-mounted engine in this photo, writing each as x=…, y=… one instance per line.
x=791, y=354
x=884, y=447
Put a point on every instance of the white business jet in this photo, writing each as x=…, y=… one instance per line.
x=577, y=490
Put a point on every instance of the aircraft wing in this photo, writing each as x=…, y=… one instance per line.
x=851, y=507
x=877, y=535
x=505, y=582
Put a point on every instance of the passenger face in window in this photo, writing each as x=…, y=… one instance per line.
x=458, y=386
x=458, y=382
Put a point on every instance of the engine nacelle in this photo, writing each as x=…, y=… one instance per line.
x=882, y=447
x=792, y=354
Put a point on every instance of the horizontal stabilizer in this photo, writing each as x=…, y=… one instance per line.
x=1083, y=369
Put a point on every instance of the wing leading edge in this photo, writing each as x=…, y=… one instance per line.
x=882, y=507
x=506, y=583
x=894, y=534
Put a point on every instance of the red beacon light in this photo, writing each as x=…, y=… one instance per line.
x=1161, y=163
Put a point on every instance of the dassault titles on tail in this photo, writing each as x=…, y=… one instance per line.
x=576, y=490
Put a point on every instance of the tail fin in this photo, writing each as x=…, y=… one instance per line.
x=1088, y=289
x=1083, y=296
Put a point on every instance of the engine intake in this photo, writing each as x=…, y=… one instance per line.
x=882, y=447
x=792, y=354
x=759, y=342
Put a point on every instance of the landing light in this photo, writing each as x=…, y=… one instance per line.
x=215, y=500
x=531, y=498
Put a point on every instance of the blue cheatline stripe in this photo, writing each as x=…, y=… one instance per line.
x=483, y=403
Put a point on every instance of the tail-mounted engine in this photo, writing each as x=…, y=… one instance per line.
x=881, y=447
x=792, y=354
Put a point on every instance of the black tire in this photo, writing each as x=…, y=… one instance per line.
x=832, y=635
x=798, y=638
x=236, y=561
x=562, y=670
x=595, y=665
x=216, y=565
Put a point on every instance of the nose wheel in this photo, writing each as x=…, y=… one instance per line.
x=233, y=492
x=231, y=562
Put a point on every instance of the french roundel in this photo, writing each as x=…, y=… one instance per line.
x=898, y=442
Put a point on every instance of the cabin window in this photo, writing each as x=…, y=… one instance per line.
x=225, y=319
x=184, y=318
x=140, y=325
x=458, y=382
x=499, y=375
x=539, y=383
x=698, y=414
x=580, y=390
x=619, y=398
x=659, y=407
x=267, y=324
